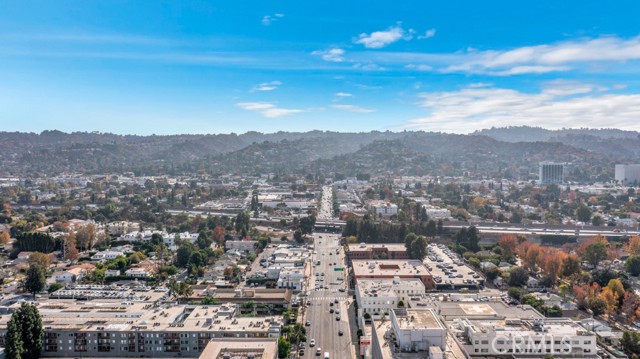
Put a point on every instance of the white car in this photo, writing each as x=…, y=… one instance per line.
x=312, y=343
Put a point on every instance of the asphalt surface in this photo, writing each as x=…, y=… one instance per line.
x=324, y=325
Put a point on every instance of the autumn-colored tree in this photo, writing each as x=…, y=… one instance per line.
x=616, y=287
x=6, y=209
x=551, y=263
x=71, y=247
x=586, y=293
x=633, y=247
x=5, y=237
x=508, y=243
x=570, y=265
x=529, y=253
x=40, y=260
x=630, y=307
x=218, y=235
x=610, y=298
x=86, y=236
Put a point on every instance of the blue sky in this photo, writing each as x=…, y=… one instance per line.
x=165, y=67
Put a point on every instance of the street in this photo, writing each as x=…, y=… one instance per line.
x=325, y=326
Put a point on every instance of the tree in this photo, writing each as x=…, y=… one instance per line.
x=71, y=247
x=5, y=237
x=633, y=247
x=307, y=224
x=418, y=248
x=598, y=306
x=86, y=236
x=610, y=299
x=552, y=263
x=242, y=222
x=594, y=250
x=284, y=348
x=35, y=280
x=631, y=341
x=529, y=253
x=24, y=333
x=518, y=277
x=508, y=243
x=218, y=235
x=14, y=347
x=41, y=260
x=597, y=220
x=563, y=290
x=570, y=265
x=632, y=265
x=616, y=286
x=630, y=307
x=297, y=235
x=583, y=213
x=408, y=239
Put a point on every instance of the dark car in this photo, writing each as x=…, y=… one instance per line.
x=340, y=332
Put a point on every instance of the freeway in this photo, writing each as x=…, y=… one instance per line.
x=325, y=326
x=483, y=227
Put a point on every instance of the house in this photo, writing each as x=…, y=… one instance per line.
x=137, y=272
x=112, y=273
x=74, y=274
x=106, y=255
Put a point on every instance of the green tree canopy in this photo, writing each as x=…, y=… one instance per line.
x=24, y=333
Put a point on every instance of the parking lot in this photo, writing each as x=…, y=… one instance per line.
x=449, y=270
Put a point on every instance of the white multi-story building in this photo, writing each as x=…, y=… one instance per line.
x=627, y=174
x=418, y=330
x=378, y=297
x=529, y=338
x=291, y=278
x=383, y=209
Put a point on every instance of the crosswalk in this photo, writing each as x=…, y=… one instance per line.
x=325, y=298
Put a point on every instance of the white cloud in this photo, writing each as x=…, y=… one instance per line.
x=266, y=86
x=428, y=34
x=331, y=55
x=380, y=39
x=369, y=66
x=343, y=94
x=561, y=56
x=555, y=106
x=353, y=108
x=479, y=84
x=267, y=109
x=268, y=19
x=418, y=67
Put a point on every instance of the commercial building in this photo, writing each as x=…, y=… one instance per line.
x=389, y=269
x=496, y=330
x=378, y=297
x=551, y=173
x=627, y=174
x=292, y=278
x=418, y=330
x=149, y=326
x=377, y=251
x=240, y=349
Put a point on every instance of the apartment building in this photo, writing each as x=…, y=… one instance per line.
x=377, y=251
x=123, y=326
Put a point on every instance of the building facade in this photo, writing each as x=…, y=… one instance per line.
x=551, y=173
x=627, y=174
